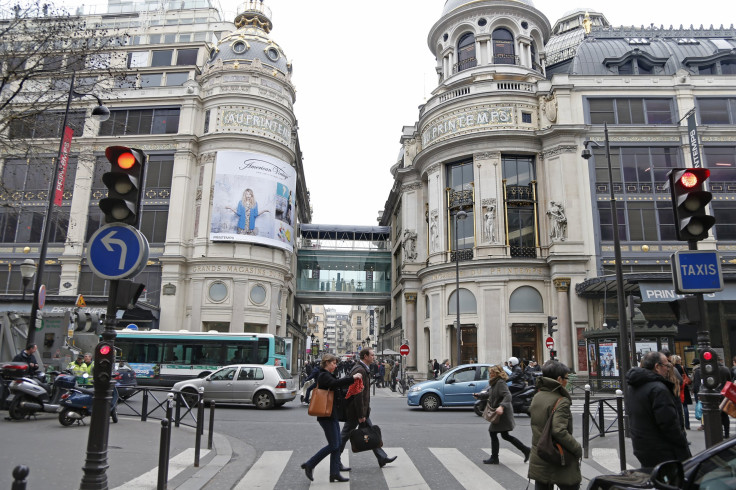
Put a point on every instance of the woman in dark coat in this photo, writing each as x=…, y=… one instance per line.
x=499, y=399
x=685, y=397
x=551, y=391
x=331, y=426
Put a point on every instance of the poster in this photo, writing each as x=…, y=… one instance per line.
x=642, y=348
x=607, y=359
x=592, y=359
x=253, y=201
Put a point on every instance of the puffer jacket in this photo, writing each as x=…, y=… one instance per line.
x=549, y=391
x=498, y=394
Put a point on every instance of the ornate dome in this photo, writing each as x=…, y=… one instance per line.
x=251, y=41
x=451, y=5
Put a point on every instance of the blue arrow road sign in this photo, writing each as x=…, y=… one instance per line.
x=697, y=271
x=117, y=251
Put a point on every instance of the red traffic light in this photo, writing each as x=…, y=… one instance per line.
x=105, y=350
x=707, y=355
x=689, y=179
x=126, y=160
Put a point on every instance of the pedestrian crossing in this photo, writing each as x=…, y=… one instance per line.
x=404, y=474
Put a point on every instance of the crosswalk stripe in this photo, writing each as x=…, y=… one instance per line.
x=322, y=473
x=512, y=460
x=609, y=459
x=404, y=475
x=265, y=473
x=470, y=476
x=177, y=464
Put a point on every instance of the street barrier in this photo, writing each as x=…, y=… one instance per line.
x=598, y=420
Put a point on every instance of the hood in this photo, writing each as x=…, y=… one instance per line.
x=638, y=376
x=549, y=384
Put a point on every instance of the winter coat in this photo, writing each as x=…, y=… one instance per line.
x=655, y=418
x=360, y=407
x=497, y=394
x=549, y=391
x=328, y=381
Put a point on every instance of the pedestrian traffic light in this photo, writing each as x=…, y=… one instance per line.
x=709, y=368
x=104, y=360
x=689, y=200
x=551, y=324
x=686, y=310
x=553, y=354
x=124, y=184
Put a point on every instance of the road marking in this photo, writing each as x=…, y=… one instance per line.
x=470, y=476
x=265, y=473
x=608, y=458
x=322, y=474
x=403, y=474
x=177, y=464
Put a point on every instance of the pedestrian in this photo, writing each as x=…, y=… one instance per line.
x=685, y=397
x=359, y=410
x=499, y=400
x=381, y=374
x=27, y=356
x=436, y=368
x=551, y=392
x=655, y=413
x=330, y=425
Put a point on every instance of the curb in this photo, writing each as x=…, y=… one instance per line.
x=223, y=454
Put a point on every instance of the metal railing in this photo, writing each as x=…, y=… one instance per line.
x=598, y=420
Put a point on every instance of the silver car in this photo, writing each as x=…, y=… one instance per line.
x=264, y=386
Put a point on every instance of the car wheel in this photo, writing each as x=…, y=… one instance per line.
x=65, y=419
x=430, y=403
x=264, y=400
x=15, y=411
x=190, y=395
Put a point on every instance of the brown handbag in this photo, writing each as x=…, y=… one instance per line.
x=491, y=415
x=549, y=450
x=320, y=403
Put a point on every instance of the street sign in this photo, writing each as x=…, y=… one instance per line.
x=550, y=343
x=697, y=271
x=117, y=251
x=41, y=296
x=80, y=302
x=131, y=326
x=404, y=350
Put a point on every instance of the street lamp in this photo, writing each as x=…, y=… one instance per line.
x=460, y=215
x=27, y=270
x=99, y=113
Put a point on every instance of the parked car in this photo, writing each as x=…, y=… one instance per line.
x=712, y=469
x=264, y=386
x=454, y=388
x=125, y=380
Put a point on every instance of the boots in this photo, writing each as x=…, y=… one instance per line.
x=491, y=460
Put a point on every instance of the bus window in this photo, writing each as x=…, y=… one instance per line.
x=279, y=346
x=263, y=348
x=139, y=352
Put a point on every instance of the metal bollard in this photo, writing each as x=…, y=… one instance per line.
x=601, y=419
x=20, y=473
x=621, y=434
x=144, y=406
x=212, y=424
x=586, y=422
x=178, y=409
x=200, y=427
x=169, y=415
x=163, y=456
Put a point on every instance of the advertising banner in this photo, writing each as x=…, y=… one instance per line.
x=253, y=200
x=66, y=144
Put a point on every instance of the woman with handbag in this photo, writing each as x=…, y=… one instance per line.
x=552, y=403
x=500, y=412
x=327, y=384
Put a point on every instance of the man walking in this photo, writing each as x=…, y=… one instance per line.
x=359, y=410
x=655, y=414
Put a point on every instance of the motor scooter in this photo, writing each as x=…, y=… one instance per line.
x=521, y=399
x=77, y=404
x=306, y=385
x=31, y=394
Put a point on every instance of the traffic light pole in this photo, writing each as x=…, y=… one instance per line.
x=95, y=464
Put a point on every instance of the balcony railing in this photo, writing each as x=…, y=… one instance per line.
x=527, y=252
x=460, y=199
x=506, y=59
x=464, y=65
x=519, y=194
x=462, y=255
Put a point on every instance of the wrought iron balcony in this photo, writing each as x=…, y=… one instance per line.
x=527, y=252
x=461, y=255
x=519, y=194
x=461, y=199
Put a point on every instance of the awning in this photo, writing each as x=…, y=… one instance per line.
x=659, y=292
x=388, y=352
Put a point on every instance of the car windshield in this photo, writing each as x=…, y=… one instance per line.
x=718, y=471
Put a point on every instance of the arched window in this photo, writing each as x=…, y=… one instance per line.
x=426, y=307
x=526, y=299
x=533, y=49
x=503, y=47
x=467, y=303
x=466, y=52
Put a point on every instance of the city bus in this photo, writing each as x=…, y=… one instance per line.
x=162, y=358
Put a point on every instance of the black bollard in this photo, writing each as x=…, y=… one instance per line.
x=163, y=456
x=200, y=429
x=20, y=473
x=621, y=434
x=178, y=409
x=169, y=417
x=601, y=419
x=586, y=422
x=144, y=406
x=212, y=424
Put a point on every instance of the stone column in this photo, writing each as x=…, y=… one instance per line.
x=411, y=329
x=565, y=335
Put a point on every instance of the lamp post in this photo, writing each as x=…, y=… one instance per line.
x=27, y=270
x=100, y=113
x=623, y=344
x=460, y=215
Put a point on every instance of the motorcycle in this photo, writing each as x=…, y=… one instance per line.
x=521, y=399
x=31, y=395
x=77, y=404
x=304, y=389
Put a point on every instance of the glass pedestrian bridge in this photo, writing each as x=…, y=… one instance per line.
x=344, y=265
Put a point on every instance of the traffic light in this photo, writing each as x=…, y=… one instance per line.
x=104, y=361
x=128, y=294
x=709, y=368
x=686, y=310
x=553, y=354
x=124, y=184
x=689, y=199
x=551, y=324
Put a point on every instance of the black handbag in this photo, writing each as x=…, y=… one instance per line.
x=549, y=450
x=365, y=438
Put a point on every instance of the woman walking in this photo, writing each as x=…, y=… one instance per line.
x=327, y=381
x=685, y=397
x=552, y=393
x=499, y=399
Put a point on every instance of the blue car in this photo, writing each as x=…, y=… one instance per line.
x=454, y=388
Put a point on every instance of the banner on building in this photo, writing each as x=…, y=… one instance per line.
x=66, y=144
x=253, y=200
x=692, y=133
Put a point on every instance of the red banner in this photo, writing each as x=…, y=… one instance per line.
x=66, y=144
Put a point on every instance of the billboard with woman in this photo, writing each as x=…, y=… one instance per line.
x=253, y=200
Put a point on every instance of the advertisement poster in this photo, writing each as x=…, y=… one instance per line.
x=253, y=200
x=607, y=358
x=642, y=348
x=592, y=359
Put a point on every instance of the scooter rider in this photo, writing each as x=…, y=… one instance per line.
x=27, y=356
x=517, y=375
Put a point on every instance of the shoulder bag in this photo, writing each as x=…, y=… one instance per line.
x=320, y=402
x=365, y=437
x=550, y=451
x=490, y=414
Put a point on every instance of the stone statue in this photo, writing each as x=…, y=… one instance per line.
x=559, y=221
x=410, y=245
x=489, y=223
x=434, y=231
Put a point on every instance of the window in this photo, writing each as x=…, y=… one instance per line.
x=519, y=173
x=460, y=176
x=126, y=81
x=52, y=63
x=606, y=223
x=526, y=299
x=161, y=58
x=137, y=59
x=526, y=117
x=717, y=110
x=465, y=375
x=359, y=320
x=642, y=221
x=141, y=121
x=630, y=111
x=185, y=57
x=46, y=125
x=151, y=80
x=468, y=303
x=153, y=223
x=725, y=214
x=176, y=79
x=466, y=52
x=359, y=334
x=503, y=47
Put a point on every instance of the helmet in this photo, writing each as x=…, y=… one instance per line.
x=513, y=361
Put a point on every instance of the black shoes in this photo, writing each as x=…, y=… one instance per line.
x=345, y=468
x=386, y=461
x=308, y=472
x=339, y=478
x=527, y=452
x=491, y=460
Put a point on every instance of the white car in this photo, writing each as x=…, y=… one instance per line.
x=264, y=386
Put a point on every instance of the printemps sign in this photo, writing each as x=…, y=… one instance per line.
x=467, y=121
